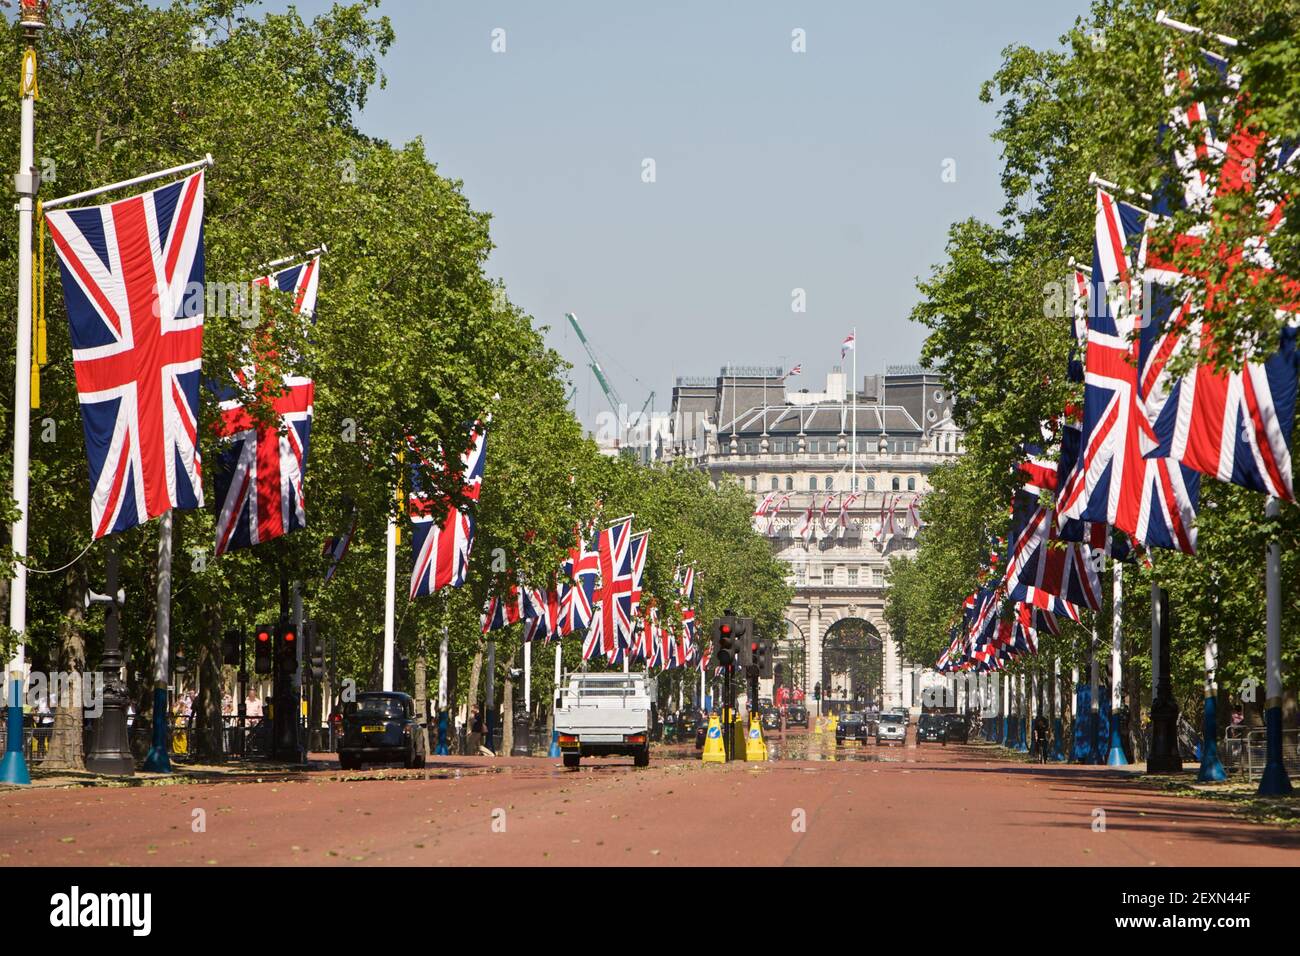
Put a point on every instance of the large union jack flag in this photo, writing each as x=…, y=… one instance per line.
x=442, y=547
x=1151, y=499
x=132, y=275
x=1234, y=426
x=262, y=466
x=611, y=623
x=578, y=585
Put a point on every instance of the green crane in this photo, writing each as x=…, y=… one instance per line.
x=615, y=401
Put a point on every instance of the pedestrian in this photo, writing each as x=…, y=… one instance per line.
x=1040, y=737
x=252, y=704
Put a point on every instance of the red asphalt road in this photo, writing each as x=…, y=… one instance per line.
x=928, y=806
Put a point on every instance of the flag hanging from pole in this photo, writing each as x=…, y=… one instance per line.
x=263, y=465
x=129, y=270
x=442, y=548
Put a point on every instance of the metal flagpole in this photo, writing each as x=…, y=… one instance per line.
x=555, y=734
x=1211, y=768
x=158, y=760
x=443, y=657
x=853, y=391
x=1058, y=752
x=1116, y=757
x=13, y=768
x=1094, y=705
x=390, y=602
x=1274, y=781
x=1072, y=754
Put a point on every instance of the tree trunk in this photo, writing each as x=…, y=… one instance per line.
x=207, y=721
x=66, y=751
x=421, y=697
x=507, y=714
x=474, y=673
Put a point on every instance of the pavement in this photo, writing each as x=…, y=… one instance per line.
x=815, y=804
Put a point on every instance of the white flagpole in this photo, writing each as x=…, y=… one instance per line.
x=528, y=677
x=853, y=392
x=1116, y=757
x=390, y=602
x=157, y=759
x=13, y=769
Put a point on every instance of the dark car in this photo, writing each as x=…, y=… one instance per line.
x=958, y=728
x=770, y=717
x=380, y=727
x=853, y=726
x=796, y=715
x=932, y=728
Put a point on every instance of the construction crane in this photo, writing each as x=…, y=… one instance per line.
x=615, y=401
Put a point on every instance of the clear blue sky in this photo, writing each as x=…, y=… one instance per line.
x=774, y=170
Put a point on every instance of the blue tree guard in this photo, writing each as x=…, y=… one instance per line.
x=1058, y=746
x=158, y=760
x=1211, y=769
x=13, y=768
x=1117, y=757
x=441, y=748
x=1274, y=782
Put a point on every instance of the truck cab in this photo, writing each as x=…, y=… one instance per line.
x=600, y=715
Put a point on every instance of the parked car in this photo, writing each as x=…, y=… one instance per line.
x=380, y=727
x=891, y=729
x=796, y=715
x=852, y=726
x=958, y=728
x=932, y=728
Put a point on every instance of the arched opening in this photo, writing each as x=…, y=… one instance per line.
x=790, y=661
x=853, y=665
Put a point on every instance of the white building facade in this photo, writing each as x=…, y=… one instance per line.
x=798, y=450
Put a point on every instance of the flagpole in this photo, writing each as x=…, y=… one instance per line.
x=1116, y=757
x=157, y=760
x=125, y=183
x=443, y=657
x=390, y=601
x=13, y=768
x=1274, y=781
x=555, y=734
x=853, y=392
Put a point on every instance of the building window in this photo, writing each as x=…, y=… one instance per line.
x=852, y=574
x=877, y=578
x=871, y=484
x=753, y=484
x=801, y=574
x=812, y=483
x=789, y=484
x=895, y=484
x=830, y=482
x=911, y=484
x=775, y=483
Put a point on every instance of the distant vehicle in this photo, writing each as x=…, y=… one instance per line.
x=852, y=726
x=380, y=727
x=931, y=728
x=796, y=715
x=604, y=715
x=891, y=729
x=957, y=728
x=770, y=717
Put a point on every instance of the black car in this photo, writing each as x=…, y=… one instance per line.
x=770, y=717
x=380, y=727
x=958, y=728
x=853, y=726
x=931, y=728
x=796, y=715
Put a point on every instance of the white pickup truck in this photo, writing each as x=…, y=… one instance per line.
x=599, y=714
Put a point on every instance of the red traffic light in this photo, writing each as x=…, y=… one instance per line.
x=726, y=629
x=263, y=636
x=288, y=637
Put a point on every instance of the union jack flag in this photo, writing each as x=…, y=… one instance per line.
x=541, y=613
x=129, y=272
x=502, y=612
x=337, y=546
x=1234, y=426
x=262, y=466
x=612, y=617
x=797, y=370
x=1151, y=499
x=442, y=549
x=580, y=572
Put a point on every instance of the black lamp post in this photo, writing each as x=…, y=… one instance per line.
x=110, y=750
x=521, y=746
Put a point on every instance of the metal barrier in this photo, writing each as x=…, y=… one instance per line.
x=1244, y=750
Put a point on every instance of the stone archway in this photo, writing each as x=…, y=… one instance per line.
x=853, y=664
x=790, y=658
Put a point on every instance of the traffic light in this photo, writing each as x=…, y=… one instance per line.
x=817, y=691
x=286, y=647
x=179, y=665
x=263, y=648
x=749, y=653
x=314, y=648
x=232, y=648
x=724, y=640
x=763, y=659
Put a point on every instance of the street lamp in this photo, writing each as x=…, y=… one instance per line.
x=110, y=751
